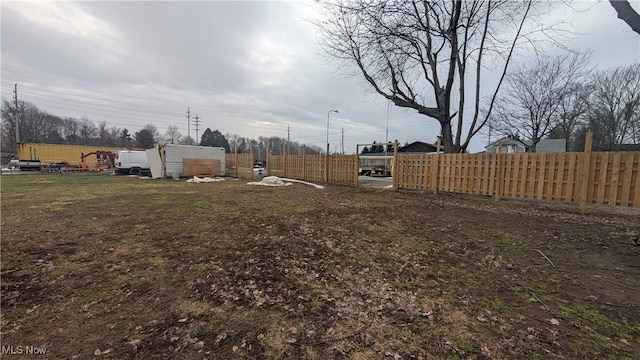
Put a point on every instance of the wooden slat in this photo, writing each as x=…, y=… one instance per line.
x=602, y=162
x=626, y=183
x=515, y=182
x=484, y=177
x=636, y=188
x=572, y=189
x=559, y=185
x=467, y=170
x=550, y=180
x=426, y=172
x=523, y=176
x=541, y=164
x=614, y=183
x=491, y=180
x=508, y=166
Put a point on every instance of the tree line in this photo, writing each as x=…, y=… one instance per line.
x=561, y=97
x=38, y=126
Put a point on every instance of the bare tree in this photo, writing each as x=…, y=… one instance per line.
x=614, y=110
x=415, y=53
x=35, y=125
x=172, y=136
x=572, y=113
x=107, y=136
x=539, y=98
x=87, y=129
x=70, y=130
x=9, y=116
x=187, y=140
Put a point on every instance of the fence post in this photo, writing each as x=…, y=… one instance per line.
x=326, y=165
x=498, y=186
x=357, y=166
x=267, y=160
x=284, y=161
x=251, y=161
x=235, y=160
x=304, y=162
x=436, y=167
x=586, y=167
x=395, y=171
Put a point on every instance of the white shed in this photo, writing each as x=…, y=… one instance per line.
x=173, y=156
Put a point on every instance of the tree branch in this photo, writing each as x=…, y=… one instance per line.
x=627, y=14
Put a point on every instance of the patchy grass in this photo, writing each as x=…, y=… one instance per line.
x=126, y=268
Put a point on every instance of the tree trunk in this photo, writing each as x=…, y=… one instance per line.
x=447, y=136
x=627, y=14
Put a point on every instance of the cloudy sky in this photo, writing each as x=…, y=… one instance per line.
x=251, y=68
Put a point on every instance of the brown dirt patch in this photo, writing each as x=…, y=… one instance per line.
x=115, y=267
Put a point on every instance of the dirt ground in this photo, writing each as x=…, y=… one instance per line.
x=110, y=267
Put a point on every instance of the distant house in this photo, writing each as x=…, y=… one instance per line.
x=418, y=147
x=513, y=145
x=509, y=145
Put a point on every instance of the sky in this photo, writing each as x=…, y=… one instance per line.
x=249, y=68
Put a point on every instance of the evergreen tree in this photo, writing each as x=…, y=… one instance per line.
x=144, y=139
x=214, y=138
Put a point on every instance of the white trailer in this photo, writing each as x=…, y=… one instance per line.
x=172, y=158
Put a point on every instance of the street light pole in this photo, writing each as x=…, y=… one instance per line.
x=329, y=113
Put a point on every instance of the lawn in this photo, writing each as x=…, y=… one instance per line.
x=97, y=266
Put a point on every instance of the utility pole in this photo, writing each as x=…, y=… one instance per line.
x=196, y=122
x=342, y=142
x=16, y=119
x=188, y=116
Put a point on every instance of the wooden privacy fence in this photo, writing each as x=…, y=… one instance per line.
x=606, y=178
x=239, y=165
x=339, y=169
x=609, y=178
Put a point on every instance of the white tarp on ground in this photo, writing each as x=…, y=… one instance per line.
x=204, y=179
x=304, y=182
x=270, y=181
x=276, y=181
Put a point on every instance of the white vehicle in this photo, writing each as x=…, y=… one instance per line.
x=132, y=162
x=259, y=170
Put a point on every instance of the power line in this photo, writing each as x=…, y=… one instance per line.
x=101, y=107
x=57, y=95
